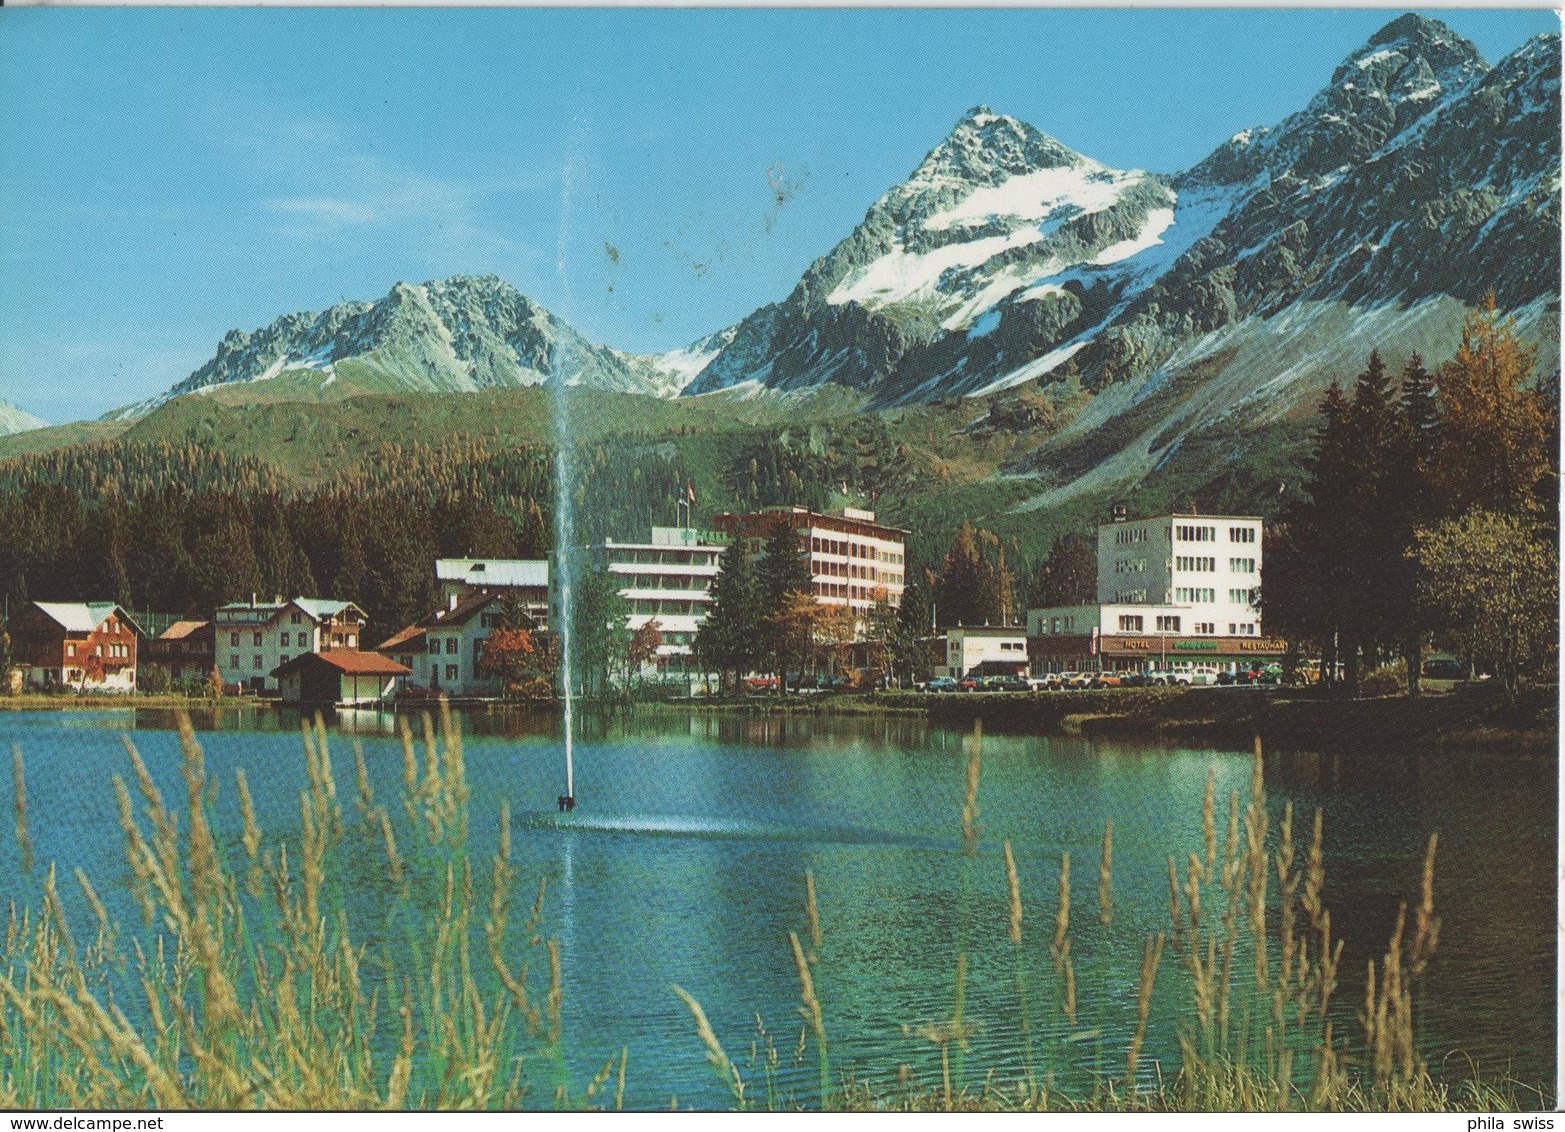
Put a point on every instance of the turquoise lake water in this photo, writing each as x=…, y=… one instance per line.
x=684, y=865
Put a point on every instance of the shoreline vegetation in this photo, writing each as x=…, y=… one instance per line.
x=251, y=981
x=1473, y=720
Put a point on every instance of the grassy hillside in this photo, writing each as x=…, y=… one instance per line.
x=928, y=468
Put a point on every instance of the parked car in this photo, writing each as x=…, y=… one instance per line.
x=969, y=684
x=1107, y=680
x=1007, y=684
x=1202, y=676
x=1444, y=668
x=1133, y=680
x=1048, y=682
x=941, y=684
x=1076, y=679
x=1167, y=677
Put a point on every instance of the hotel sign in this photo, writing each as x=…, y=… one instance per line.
x=1186, y=646
x=1061, y=645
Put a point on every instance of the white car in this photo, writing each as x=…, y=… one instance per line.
x=1168, y=677
x=1048, y=682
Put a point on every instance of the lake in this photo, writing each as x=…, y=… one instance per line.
x=684, y=865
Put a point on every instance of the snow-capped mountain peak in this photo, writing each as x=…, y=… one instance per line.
x=1417, y=175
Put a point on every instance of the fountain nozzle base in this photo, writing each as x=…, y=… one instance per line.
x=567, y=803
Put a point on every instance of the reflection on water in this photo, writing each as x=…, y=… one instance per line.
x=684, y=865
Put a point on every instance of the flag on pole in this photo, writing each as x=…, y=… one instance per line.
x=690, y=493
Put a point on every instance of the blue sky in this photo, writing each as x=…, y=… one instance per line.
x=167, y=174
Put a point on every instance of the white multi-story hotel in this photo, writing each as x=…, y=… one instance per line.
x=668, y=580
x=853, y=559
x=1179, y=591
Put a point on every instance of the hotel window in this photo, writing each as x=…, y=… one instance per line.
x=257, y=641
x=1241, y=534
x=1130, y=623
x=1188, y=595
x=282, y=660
x=1168, y=624
x=1185, y=562
x=233, y=639
x=451, y=672
x=233, y=659
x=256, y=663
x=70, y=650
x=294, y=620
x=353, y=641
x=1054, y=624
x=1241, y=565
x=451, y=646
x=1070, y=623
x=1205, y=629
x=434, y=646
x=1196, y=534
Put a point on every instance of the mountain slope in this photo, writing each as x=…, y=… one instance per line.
x=14, y=420
x=994, y=209
x=453, y=335
x=1417, y=174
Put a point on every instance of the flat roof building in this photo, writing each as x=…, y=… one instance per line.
x=667, y=579
x=852, y=558
x=1176, y=591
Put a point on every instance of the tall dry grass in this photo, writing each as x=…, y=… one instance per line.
x=246, y=987
x=1256, y=969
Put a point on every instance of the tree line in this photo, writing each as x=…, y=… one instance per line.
x=1430, y=515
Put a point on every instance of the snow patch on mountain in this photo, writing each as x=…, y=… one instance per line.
x=15, y=419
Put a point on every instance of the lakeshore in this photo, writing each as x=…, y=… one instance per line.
x=1284, y=719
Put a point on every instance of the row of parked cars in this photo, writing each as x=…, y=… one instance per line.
x=1151, y=678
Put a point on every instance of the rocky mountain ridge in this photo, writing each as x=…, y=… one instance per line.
x=454, y=335
x=1418, y=173
x=1186, y=312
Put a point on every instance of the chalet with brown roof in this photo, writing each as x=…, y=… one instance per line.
x=185, y=649
x=338, y=677
x=86, y=646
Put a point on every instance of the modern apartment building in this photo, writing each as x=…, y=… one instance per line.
x=1177, y=591
x=667, y=579
x=853, y=559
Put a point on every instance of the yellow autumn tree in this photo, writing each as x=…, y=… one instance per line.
x=1494, y=426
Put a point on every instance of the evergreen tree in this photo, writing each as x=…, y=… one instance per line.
x=1410, y=485
x=598, y=615
x=996, y=596
x=782, y=574
x=727, y=641
x=957, y=593
x=913, y=631
x=1067, y=575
